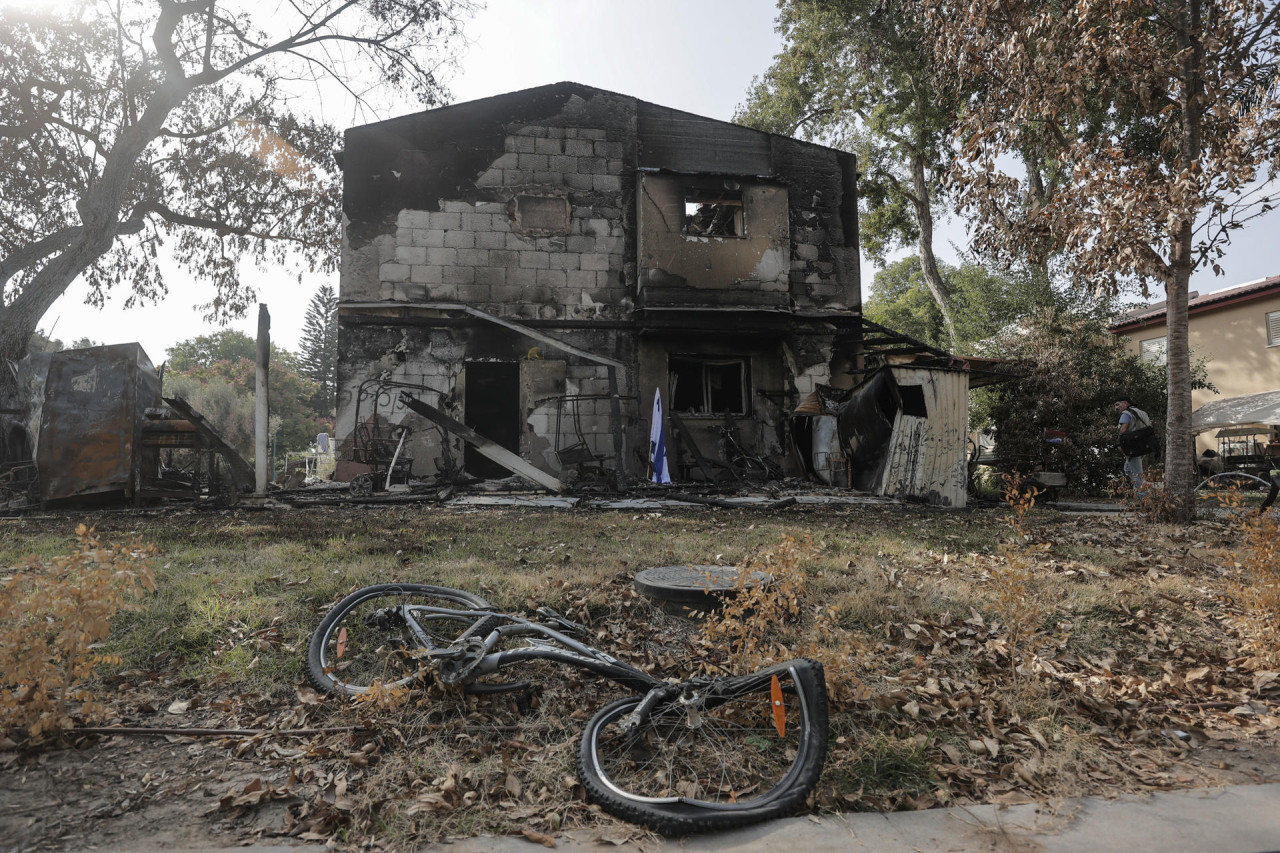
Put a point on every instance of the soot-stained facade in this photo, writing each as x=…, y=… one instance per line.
x=536, y=265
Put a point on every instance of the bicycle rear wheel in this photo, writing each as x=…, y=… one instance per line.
x=720, y=758
x=376, y=635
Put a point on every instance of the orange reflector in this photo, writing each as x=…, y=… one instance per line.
x=779, y=710
x=342, y=644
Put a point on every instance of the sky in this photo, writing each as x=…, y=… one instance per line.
x=694, y=55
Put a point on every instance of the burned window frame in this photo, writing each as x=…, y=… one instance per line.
x=705, y=364
x=728, y=195
x=520, y=207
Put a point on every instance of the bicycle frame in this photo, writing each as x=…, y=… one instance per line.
x=568, y=651
x=680, y=756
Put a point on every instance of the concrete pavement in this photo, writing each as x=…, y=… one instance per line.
x=1237, y=819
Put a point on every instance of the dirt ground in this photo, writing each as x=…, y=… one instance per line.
x=310, y=764
x=159, y=793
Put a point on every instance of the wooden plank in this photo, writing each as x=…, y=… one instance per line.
x=682, y=433
x=243, y=470
x=541, y=337
x=490, y=449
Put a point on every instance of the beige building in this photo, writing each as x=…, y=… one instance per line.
x=1236, y=331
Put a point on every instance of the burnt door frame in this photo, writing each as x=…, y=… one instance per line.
x=491, y=407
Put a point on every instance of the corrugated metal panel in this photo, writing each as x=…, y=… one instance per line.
x=927, y=454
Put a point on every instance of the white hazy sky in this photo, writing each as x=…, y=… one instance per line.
x=695, y=56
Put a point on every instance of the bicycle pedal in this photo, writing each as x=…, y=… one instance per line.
x=565, y=624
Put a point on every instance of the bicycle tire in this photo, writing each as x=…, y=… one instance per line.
x=723, y=765
x=376, y=647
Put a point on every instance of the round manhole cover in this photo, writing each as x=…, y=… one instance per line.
x=695, y=586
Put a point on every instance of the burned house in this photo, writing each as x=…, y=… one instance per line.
x=527, y=270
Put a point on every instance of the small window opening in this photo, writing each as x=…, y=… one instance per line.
x=1155, y=350
x=705, y=386
x=1273, y=329
x=541, y=215
x=713, y=213
x=913, y=401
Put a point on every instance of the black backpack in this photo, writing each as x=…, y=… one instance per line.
x=1140, y=441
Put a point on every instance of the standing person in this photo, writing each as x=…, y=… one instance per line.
x=1131, y=418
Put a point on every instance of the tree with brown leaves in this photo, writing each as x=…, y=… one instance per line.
x=126, y=124
x=1162, y=116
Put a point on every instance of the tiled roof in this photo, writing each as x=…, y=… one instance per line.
x=1145, y=315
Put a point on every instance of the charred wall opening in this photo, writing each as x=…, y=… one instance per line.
x=492, y=407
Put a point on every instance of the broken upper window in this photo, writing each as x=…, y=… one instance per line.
x=713, y=213
x=913, y=403
x=706, y=386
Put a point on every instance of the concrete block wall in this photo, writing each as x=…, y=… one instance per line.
x=389, y=354
x=477, y=251
x=437, y=358
x=815, y=264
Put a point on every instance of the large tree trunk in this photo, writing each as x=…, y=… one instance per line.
x=1039, y=192
x=1179, y=449
x=1179, y=446
x=19, y=320
x=921, y=199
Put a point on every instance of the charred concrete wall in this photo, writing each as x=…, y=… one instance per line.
x=561, y=401
x=529, y=223
x=562, y=209
x=680, y=265
x=685, y=156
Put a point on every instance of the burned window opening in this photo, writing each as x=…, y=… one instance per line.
x=708, y=386
x=542, y=216
x=713, y=213
x=913, y=401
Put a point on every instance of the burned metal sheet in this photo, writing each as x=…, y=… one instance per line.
x=866, y=428
x=101, y=431
x=94, y=403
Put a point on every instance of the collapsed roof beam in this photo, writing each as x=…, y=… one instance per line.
x=527, y=332
x=486, y=447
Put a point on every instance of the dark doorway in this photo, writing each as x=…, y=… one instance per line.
x=492, y=409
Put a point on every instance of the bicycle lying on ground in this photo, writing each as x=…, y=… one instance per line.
x=686, y=756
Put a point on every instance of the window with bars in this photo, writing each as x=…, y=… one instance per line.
x=1273, y=328
x=1155, y=350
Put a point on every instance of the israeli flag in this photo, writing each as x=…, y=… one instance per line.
x=658, y=443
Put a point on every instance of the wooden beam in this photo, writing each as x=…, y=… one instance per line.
x=243, y=471
x=683, y=436
x=490, y=449
x=541, y=337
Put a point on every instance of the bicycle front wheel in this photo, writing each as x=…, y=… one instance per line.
x=376, y=635
x=741, y=750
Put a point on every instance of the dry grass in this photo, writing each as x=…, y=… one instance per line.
x=968, y=660
x=56, y=610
